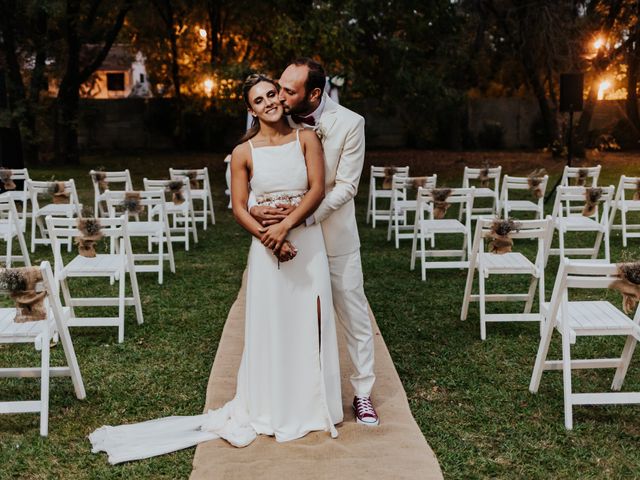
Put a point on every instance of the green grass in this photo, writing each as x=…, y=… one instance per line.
x=469, y=397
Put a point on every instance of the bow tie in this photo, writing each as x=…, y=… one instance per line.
x=306, y=120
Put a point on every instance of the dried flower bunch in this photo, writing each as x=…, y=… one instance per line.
x=389, y=172
x=192, y=175
x=440, y=204
x=534, y=180
x=501, y=241
x=175, y=188
x=581, y=179
x=21, y=285
x=131, y=202
x=628, y=284
x=591, y=198
x=12, y=280
x=100, y=177
x=5, y=179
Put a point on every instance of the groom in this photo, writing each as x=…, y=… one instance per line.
x=342, y=134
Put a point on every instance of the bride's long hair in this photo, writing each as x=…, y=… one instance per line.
x=251, y=81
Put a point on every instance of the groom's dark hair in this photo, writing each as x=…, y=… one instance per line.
x=316, y=77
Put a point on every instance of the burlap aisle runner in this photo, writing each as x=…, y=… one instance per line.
x=394, y=450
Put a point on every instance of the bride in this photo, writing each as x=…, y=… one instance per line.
x=288, y=383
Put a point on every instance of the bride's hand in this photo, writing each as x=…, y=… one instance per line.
x=275, y=235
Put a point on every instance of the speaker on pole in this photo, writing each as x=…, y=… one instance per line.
x=571, y=87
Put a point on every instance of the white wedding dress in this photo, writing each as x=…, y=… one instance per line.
x=289, y=378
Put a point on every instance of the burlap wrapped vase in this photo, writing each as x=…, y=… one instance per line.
x=91, y=233
x=101, y=179
x=21, y=284
x=591, y=199
x=501, y=241
x=581, y=179
x=534, y=180
x=5, y=179
x=440, y=204
x=194, y=184
x=389, y=172
x=59, y=193
x=131, y=203
x=175, y=188
x=628, y=284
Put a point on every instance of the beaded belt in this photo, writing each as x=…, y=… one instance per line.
x=281, y=198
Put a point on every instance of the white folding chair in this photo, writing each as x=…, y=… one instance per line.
x=113, y=266
x=10, y=228
x=571, y=176
x=401, y=205
x=22, y=196
x=42, y=189
x=376, y=192
x=40, y=333
x=154, y=230
x=427, y=227
x=626, y=205
x=112, y=179
x=509, y=205
x=492, y=176
x=511, y=263
x=182, y=215
x=576, y=222
x=573, y=319
x=197, y=177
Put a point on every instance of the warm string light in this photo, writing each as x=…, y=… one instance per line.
x=603, y=87
x=208, y=87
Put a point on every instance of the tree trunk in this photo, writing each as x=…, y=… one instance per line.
x=68, y=99
x=215, y=22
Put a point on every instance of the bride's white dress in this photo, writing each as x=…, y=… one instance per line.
x=289, y=378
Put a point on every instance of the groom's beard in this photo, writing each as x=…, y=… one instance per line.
x=303, y=109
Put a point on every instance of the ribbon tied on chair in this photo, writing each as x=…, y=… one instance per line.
x=419, y=182
x=440, y=204
x=534, y=180
x=22, y=283
x=91, y=232
x=628, y=284
x=591, y=198
x=5, y=179
x=501, y=241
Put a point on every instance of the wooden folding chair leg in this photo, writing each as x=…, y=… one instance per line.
x=482, y=302
x=625, y=360
x=44, y=382
x=530, y=294
x=541, y=356
x=566, y=382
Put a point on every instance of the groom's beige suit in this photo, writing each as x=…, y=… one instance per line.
x=342, y=135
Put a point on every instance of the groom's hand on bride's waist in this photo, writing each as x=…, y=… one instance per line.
x=271, y=215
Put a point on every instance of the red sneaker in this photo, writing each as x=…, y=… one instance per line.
x=365, y=413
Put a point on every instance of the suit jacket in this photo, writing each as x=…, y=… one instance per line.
x=342, y=135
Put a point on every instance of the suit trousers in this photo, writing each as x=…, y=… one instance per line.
x=351, y=306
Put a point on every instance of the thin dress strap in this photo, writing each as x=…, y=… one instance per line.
x=251, y=145
x=298, y=135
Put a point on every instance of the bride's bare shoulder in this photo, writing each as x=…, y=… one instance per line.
x=241, y=152
x=308, y=135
